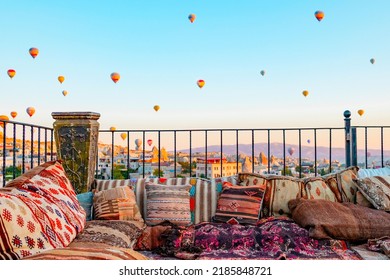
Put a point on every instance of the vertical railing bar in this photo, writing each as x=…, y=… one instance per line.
x=365, y=146
x=315, y=152
x=174, y=152
x=14, y=152
x=23, y=147
x=206, y=153
x=284, y=152
x=39, y=145
x=51, y=143
x=253, y=151
x=190, y=135
x=128, y=154
x=112, y=155
x=383, y=164
x=300, y=153
x=159, y=154
x=330, y=150
x=45, y=144
x=143, y=155
x=221, y=158
x=32, y=148
x=237, y=151
x=4, y=150
x=269, y=151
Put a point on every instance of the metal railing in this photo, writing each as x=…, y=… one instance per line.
x=23, y=146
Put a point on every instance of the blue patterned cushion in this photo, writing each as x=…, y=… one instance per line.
x=86, y=201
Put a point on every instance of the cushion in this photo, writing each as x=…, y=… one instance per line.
x=279, y=191
x=346, y=221
x=150, y=237
x=239, y=203
x=362, y=200
x=116, y=204
x=250, y=179
x=38, y=211
x=168, y=203
x=376, y=190
x=363, y=173
x=86, y=201
x=346, y=183
x=115, y=233
x=317, y=188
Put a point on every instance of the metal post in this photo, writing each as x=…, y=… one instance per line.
x=347, y=126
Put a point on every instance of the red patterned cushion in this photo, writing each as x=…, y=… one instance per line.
x=38, y=211
x=239, y=204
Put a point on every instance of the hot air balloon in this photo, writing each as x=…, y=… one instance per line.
x=30, y=111
x=372, y=60
x=61, y=79
x=360, y=112
x=138, y=142
x=4, y=118
x=11, y=73
x=192, y=17
x=150, y=142
x=156, y=107
x=308, y=141
x=319, y=15
x=115, y=77
x=14, y=114
x=112, y=128
x=124, y=135
x=262, y=72
x=305, y=93
x=33, y=52
x=64, y=92
x=291, y=151
x=200, y=83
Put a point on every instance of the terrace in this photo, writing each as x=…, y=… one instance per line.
x=92, y=153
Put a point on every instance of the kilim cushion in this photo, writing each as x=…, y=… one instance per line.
x=317, y=188
x=239, y=203
x=38, y=211
x=250, y=179
x=168, y=203
x=376, y=189
x=116, y=204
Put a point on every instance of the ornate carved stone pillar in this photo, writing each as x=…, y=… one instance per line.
x=76, y=137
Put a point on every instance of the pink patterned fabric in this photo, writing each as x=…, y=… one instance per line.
x=38, y=211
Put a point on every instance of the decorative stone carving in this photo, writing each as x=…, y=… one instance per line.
x=76, y=137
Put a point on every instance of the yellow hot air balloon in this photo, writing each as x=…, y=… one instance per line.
x=61, y=79
x=30, y=111
x=4, y=118
x=200, y=83
x=192, y=18
x=112, y=128
x=156, y=108
x=115, y=77
x=360, y=112
x=124, y=135
x=11, y=73
x=305, y=93
x=64, y=92
x=33, y=52
x=14, y=114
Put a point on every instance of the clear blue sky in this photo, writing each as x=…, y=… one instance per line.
x=160, y=56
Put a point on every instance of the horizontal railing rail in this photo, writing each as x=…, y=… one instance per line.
x=23, y=146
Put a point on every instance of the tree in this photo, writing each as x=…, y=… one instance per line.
x=119, y=172
x=158, y=173
x=287, y=172
x=11, y=169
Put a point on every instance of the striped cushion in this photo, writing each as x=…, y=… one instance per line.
x=242, y=203
x=116, y=204
x=167, y=203
x=376, y=190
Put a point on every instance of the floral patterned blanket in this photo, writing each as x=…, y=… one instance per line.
x=271, y=239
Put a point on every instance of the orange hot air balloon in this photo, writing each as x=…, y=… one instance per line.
x=124, y=135
x=64, y=92
x=305, y=93
x=14, y=114
x=30, y=111
x=33, y=52
x=112, y=128
x=192, y=18
x=200, y=83
x=150, y=141
x=115, y=77
x=11, y=73
x=319, y=15
x=61, y=79
x=361, y=112
x=4, y=118
x=156, y=107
